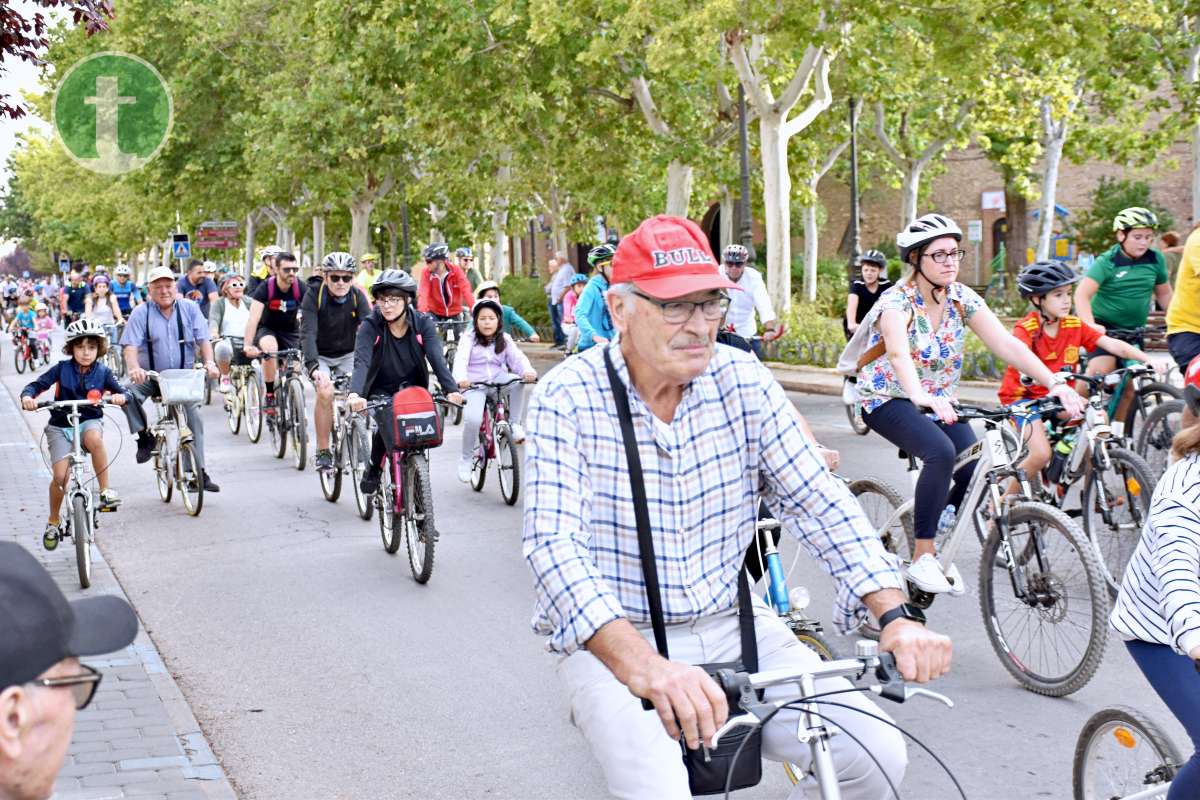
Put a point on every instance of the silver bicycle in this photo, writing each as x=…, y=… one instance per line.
x=83, y=509
x=176, y=465
x=1042, y=592
x=1122, y=754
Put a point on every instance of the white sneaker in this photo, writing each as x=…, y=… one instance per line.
x=464, y=471
x=518, y=433
x=926, y=574
x=225, y=386
x=957, y=586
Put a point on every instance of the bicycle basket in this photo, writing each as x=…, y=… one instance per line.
x=181, y=385
x=418, y=425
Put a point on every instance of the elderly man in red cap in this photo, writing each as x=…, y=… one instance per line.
x=646, y=460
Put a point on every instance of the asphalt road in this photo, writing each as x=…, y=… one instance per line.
x=319, y=669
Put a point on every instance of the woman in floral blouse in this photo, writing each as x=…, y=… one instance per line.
x=915, y=354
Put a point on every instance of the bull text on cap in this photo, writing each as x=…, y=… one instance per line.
x=680, y=256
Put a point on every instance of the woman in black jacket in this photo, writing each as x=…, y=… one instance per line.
x=390, y=353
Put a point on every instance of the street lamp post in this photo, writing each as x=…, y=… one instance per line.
x=746, y=234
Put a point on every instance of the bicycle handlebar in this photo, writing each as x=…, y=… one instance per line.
x=509, y=382
x=44, y=404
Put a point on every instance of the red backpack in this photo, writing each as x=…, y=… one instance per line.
x=418, y=425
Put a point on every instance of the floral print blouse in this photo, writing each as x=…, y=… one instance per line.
x=937, y=355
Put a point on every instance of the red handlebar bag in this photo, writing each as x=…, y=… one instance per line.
x=418, y=425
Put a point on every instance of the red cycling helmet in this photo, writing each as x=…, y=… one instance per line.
x=1191, y=385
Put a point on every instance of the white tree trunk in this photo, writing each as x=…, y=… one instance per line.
x=360, y=222
x=499, y=242
x=777, y=191
x=1054, y=149
x=150, y=263
x=251, y=230
x=679, y=188
x=909, y=192
x=810, y=252
x=518, y=256
x=727, y=213
x=318, y=249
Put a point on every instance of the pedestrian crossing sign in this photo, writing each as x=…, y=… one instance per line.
x=181, y=248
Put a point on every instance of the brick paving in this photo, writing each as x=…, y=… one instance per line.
x=138, y=738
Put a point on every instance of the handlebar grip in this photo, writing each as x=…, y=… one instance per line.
x=891, y=682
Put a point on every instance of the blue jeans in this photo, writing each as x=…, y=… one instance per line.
x=560, y=338
x=1175, y=679
x=937, y=445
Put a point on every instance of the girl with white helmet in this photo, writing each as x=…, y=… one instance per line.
x=912, y=364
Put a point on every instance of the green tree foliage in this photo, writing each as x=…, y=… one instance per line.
x=1093, y=230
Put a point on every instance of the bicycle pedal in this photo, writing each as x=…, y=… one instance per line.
x=919, y=597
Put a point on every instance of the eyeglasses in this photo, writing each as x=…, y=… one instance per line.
x=339, y=278
x=941, y=255
x=677, y=311
x=289, y=270
x=83, y=687
x=236, y=286
x=389, y=299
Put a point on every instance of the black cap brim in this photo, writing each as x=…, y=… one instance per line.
x=102, y=625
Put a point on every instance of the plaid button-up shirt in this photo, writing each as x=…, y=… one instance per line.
x=734, y=438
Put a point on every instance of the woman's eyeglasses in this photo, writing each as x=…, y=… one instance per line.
x=941, y=256
x=389, y=300
x=82, y=686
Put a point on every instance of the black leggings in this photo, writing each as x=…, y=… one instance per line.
x=936, y=444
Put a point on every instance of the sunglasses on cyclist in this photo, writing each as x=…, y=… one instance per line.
x=289, y=270
x=340, y=278
x=83, y=687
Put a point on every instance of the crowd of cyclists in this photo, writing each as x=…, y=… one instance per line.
x=376, y=331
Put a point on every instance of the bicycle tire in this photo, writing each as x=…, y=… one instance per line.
x=1044, y=520
x=81, y=530
x=18, y=359
x=233, y=412
x=420, y=533
x=1131, y=729
x=1151, y=395
x=331, y=480
x=297, y=423
x=1114, y=548
x=191, y=479
x=208, y=384
x=276, y=428
x=854, y=414
x=1154, y=439
x=358, y=451
x=479, y=465
x=162, y=475
x=510, y=487
x=386, y=498
x=253, y=408
x=898, y=537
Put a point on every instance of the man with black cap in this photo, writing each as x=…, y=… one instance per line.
x=42, y=683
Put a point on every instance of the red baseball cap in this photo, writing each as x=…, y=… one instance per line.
x=668, y=257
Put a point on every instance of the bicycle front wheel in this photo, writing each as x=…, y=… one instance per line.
x=297, y=423
x=331, y=480
x=1154, y=438
x=254, y=408
x=276, y=427
x=1116, y=502
x=1050, y=630
x=419, y=530
x=19, y=358
x=233, y=411
x=508, y=464
x=1151, y=396
x=1120, y=752
x=388, y=530
x=81, y=530
x=880, y=502
x=191, y=479
x=854, y=414
x=358, y=451
x=162, y=473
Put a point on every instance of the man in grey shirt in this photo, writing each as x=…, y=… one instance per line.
x=165, y=333
x=555, y=291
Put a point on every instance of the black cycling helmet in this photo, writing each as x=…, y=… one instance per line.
x=1041, y=277
x=394, y=279
x=487, y=302
x=435, y=251
x=601, y=254
x=873, y=257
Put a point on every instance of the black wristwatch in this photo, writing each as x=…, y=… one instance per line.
x=905, y=610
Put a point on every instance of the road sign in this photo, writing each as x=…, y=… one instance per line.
x=217, y=235
x=974, y=230
x=64, y=265
x=180, y=246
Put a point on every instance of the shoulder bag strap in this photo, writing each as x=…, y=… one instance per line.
x=178, y=311
x=149, y=342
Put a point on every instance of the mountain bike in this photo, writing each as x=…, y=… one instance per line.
x=176, y=465
x=1117, y=484
x=1121, y=754
x=1133, y=392
x=404, y=501
x=451, y=332
x=24, y=354
x=1041, y=587
x=496, y=443
x=814, y=726
x=350, y=444
x=83, y=509
x=288, y=423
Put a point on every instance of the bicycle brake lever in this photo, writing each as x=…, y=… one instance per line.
x=747, y=720
x=912, y=691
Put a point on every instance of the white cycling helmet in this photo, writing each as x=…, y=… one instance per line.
x=338, y=261
x=923, y=230
x=82, y=328
x=271, y=250
x=122, y=271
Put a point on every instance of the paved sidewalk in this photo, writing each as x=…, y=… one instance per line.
x=138, y=737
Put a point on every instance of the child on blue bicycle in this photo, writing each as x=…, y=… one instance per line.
x=76, y=377
x=488, y=355
x=1056, y=337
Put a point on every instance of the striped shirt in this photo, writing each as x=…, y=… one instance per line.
x=1160, y=595
x=733, y=438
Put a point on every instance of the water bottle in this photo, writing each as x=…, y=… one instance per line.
x=1058, y=457
x=946, y=522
